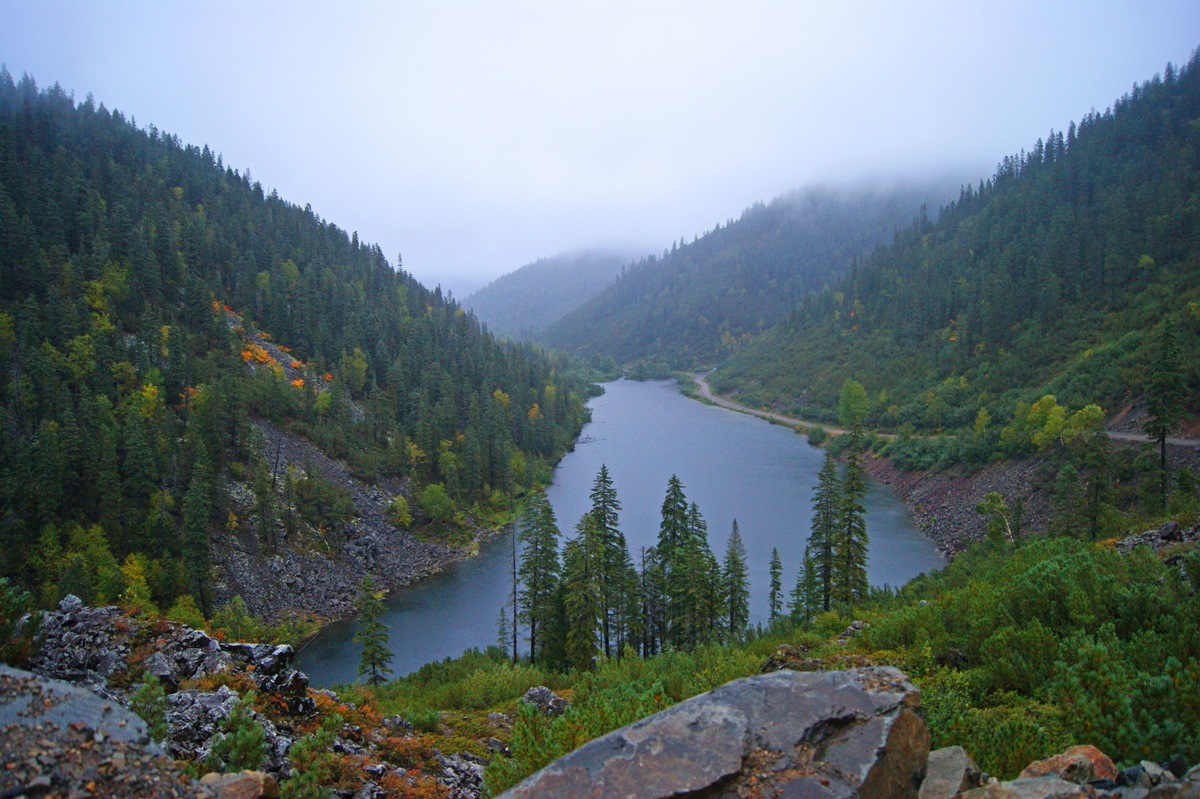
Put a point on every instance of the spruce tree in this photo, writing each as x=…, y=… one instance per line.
x=608, y=546
x=850, y=545
x=581, y=602
x=827, y=500
x=539, y=569
x=775, y=597
x=736, y=579
x=1165, y=395
x=372, y=634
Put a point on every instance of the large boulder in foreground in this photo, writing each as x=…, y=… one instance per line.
x=816, y=734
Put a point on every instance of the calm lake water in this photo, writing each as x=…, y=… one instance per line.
x=733, y=465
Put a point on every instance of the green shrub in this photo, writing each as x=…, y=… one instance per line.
x=149, y=701
x=16, y=639
x=241, y=744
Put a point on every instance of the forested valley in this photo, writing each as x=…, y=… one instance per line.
x=159, y=311
x=154, y=301
x=704, y=299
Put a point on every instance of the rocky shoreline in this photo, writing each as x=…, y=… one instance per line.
x=314, y=576
x=943, y=503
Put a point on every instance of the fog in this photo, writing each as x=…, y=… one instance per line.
x=473, y=138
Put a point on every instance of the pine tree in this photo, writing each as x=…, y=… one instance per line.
x=775, y=597
x=372, y=634
x=850, y=545
x=196, y=556
x=581, y=602
x=609, y=548
x=1165, y=393
x=735, y=576
x=539, y=570
x=823, y=536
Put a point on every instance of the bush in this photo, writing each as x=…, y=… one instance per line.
x=241, y=744
x=16, y=636
x=149, y=701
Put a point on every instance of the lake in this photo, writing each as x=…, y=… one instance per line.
x=734, y=466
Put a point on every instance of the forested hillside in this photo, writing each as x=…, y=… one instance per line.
x=136, y=274
x=523, y=303
x=1062, y=274
x=706, y=299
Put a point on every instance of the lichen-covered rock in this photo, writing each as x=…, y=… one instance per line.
x=546, y=700
x=827, y=734
x=462, y=774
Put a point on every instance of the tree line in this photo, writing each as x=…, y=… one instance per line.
x=590, y=596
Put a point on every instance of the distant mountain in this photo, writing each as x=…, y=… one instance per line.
x=702, y=300
x=1051, y=277
x=523, y=303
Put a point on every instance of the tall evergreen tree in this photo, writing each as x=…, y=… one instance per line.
x=1165, y=393
x=775, y=597
x=611, y=552
x=850, y=545
x=539, y=570
x=372, y=634
x=822, y=541
x=736, y=579
x=581, y=601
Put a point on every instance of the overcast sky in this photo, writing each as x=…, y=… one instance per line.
x=475, y=137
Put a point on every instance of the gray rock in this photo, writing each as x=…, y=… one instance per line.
x=28, y=699
x=463, y=775
x=194, y=717
x=549, y=702
x=1046, y=787
x=819, y=734
x=1155, y=774
x=70, y=604
x=949, y=771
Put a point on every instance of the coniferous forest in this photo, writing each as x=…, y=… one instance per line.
x=159, y=311
x=140, y=280
x=1051, y=277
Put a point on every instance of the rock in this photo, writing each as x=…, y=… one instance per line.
x=1155, y=773
x=396, y=722
x=1170, y=531
x=854, y=629
x=27, y=699
x=498, y=720
x=1079, y=764
x=1045, y=787
x=193, y=717
x=549, y=702
x=463, y=775
x=70, y=604
x=949, y=771
x=819, y=734
x=243, y=785
x=785, y=656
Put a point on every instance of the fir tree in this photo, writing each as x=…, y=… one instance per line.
x=372, y=634
x=1165, y=394
x=581, y=602
x=824, y=532
x=850, y=545
x=736, y=580
x=775, y=597
x=539, y=570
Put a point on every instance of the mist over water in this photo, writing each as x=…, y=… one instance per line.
x=731, y=465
